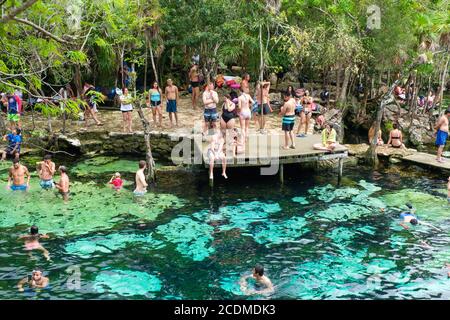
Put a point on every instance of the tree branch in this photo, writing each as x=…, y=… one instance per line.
x=17, y=11
x=38, y=28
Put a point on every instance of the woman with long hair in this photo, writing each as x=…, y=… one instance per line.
x=154, y=97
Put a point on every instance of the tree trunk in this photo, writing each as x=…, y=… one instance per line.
x=145, y=65
x=343, y=93
x=338, y=74
x=153, y=63
x=442, y=82
x=77, y=80
x=151, y=176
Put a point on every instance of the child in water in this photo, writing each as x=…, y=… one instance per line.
x=32, y=241
x=116, y=181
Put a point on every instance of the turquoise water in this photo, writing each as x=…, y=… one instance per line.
x=316, y=240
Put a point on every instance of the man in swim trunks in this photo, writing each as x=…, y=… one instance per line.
x=244, y=103
x=442, y=134
x=262, y=281
x=14, y=142
x=195, y=84
x=32, y=241
x=63, y=184
x=172, y=96
x=210, y=100
x=36, y=280
x=262, y=97
x=288, y=113
x=46, y=170
x=141, y=184
x=245, y=84
x=16, y=177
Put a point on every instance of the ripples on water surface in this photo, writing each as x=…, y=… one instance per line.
x=315, y=240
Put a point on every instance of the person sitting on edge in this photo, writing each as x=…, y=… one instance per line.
x=64, y=183
x=14, y=142
x=288, y=122
x=328, y=139
x=380, y=141
x=411, y=217
x=32, y=241
x=263, y=284
x=36, y=280
x=215, y=151
x=17, y=175
x=141, y=184
x=442, y=134
x=238, y=144
x=116, y=181
x=46, y=170
x=395, y=138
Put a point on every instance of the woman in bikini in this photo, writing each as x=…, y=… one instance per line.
x=228, y=114
x=244, y=103
x=396, y=138
x=32, y=241
x=306, y=113
x=154, y=99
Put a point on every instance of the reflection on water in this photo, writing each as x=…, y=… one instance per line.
x=316, y=241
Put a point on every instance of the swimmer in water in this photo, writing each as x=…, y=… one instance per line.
x=32, y=241
x=36, y=280
x=263, y=283
x=410, y=217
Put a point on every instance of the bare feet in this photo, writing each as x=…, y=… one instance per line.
x=285, y=148
x=224, y=175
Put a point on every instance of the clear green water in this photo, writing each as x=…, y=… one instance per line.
x=316, y=240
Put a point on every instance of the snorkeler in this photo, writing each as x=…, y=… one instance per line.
x=32, y=241
x=263, y=284
x=36, y=280
x=410, y=217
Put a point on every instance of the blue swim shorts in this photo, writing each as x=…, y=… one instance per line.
x=47, y=184
x=441, y=138
x=171, y=106
x=22, y=187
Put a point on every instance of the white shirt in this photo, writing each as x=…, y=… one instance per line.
x=125, y=107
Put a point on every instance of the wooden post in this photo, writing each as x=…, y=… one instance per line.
x=341, y=165
x=281, y=173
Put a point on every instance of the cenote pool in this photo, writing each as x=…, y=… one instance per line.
x=186, y=241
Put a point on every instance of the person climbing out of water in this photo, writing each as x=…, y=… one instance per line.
x=32, y=241
x=64, y=184
x=141, y=183
x=410, y=217
x=16, y=177
x=215, y=151
x=288, y=122
x=395, y=137
x=442, y=134
x=35, y=280
x=14, y=142
x=116, y=181
x=263, y=284
x=46, y=170
x=329, y=142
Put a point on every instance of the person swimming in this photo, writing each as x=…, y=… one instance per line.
x=116, y=181
x=410, y=217
x=263, y=285
x=36, y=280
x=32, y=241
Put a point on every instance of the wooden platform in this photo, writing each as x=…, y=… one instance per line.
x=264, y=150
x=426, y=159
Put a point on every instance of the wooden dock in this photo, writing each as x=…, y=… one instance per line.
x=426, y=159
x=266, y=151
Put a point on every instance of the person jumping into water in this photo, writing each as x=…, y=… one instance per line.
x=32, y=241
x=263, y=283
